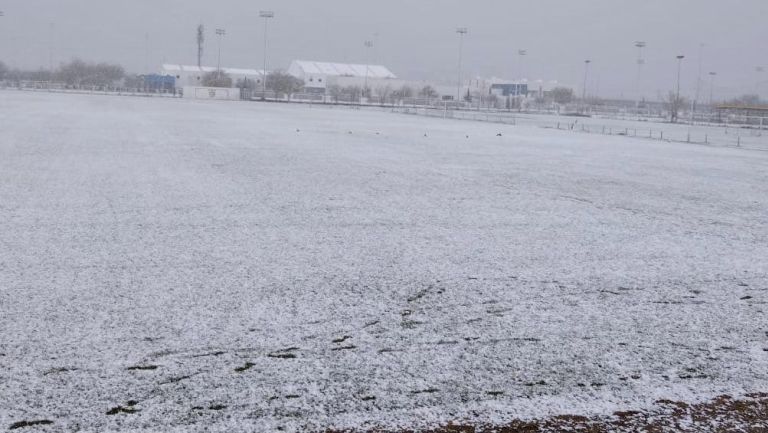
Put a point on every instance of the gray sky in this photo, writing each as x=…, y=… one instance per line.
x=417, y=38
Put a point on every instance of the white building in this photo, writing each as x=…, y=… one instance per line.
x=192, y=76
x=317, y=76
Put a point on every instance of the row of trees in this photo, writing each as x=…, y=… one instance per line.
x=75, y=73
x=385, y=94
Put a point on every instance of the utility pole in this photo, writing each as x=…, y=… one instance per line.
x=266, y=15
x=461, y=31
x=220, y=33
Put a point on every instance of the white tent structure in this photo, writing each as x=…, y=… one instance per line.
x=318, y=75
x=192, y=76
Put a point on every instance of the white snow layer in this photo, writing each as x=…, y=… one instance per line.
x=363, y=268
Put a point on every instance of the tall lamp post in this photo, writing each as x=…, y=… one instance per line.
x=461, y=31
x=521, y=54
x=220, y=33
x=584, y=88
x=368, y=46
x=266, y=15
x=677, y=104
x=712, y=76
x=640, y=62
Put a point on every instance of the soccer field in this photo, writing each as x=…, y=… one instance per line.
x=176, y=265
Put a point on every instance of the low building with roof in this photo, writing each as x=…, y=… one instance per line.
x=192, y=76
x=318, y=76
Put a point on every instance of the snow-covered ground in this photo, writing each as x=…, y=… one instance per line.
x=726, y=135
x=173, y=265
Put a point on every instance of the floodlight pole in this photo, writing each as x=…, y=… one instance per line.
x=677, y=95
x=220, y=33
x=266, y=15
x=584, y=88
x=712, y=76
x=522, y=54
x=368, y=46
x=461, y=31
x=640, y=62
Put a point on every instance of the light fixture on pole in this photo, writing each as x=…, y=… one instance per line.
x=695, y=102
x=266, y=15
x=461, y=31
x=640, y=63
x=521, y=54
x=677, y=104
x=220, y=33
x=368, y=46
x=586, y=75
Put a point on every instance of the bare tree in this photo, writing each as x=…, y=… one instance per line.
x=428, y=92
x=384, y=92
x=352, y=92
x=244, y=83
x=133, y=81
x=562, y=95
x=403, y=92
x=217, y=79
x=283, y=84
x=78, y=73
x=674, y=105
x=200, y=43
x=335, y=92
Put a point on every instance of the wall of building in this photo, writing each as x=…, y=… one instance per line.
x=211, y=93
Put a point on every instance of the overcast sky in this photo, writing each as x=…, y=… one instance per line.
x=416, y=38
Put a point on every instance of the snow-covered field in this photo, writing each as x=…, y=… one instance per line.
x=171, y=265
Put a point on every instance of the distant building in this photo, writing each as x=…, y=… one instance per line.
x=192, y=76
x=159, y=83
x=317, y=76
x=509, y=89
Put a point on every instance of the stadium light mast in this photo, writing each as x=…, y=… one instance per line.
x=695, y=102
x=461, y=31
x=677, y=104
x=712, y=76
x=521, y=54
x=368, y=46
x=640, y=63
x=51, y=37
x=220, y=33
x=584, y=88
x=266, y=15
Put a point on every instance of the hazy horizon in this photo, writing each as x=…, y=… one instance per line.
x=416, y=41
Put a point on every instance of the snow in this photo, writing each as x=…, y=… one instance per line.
x=341, y=69
x=574, y=273
x=170, y=69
